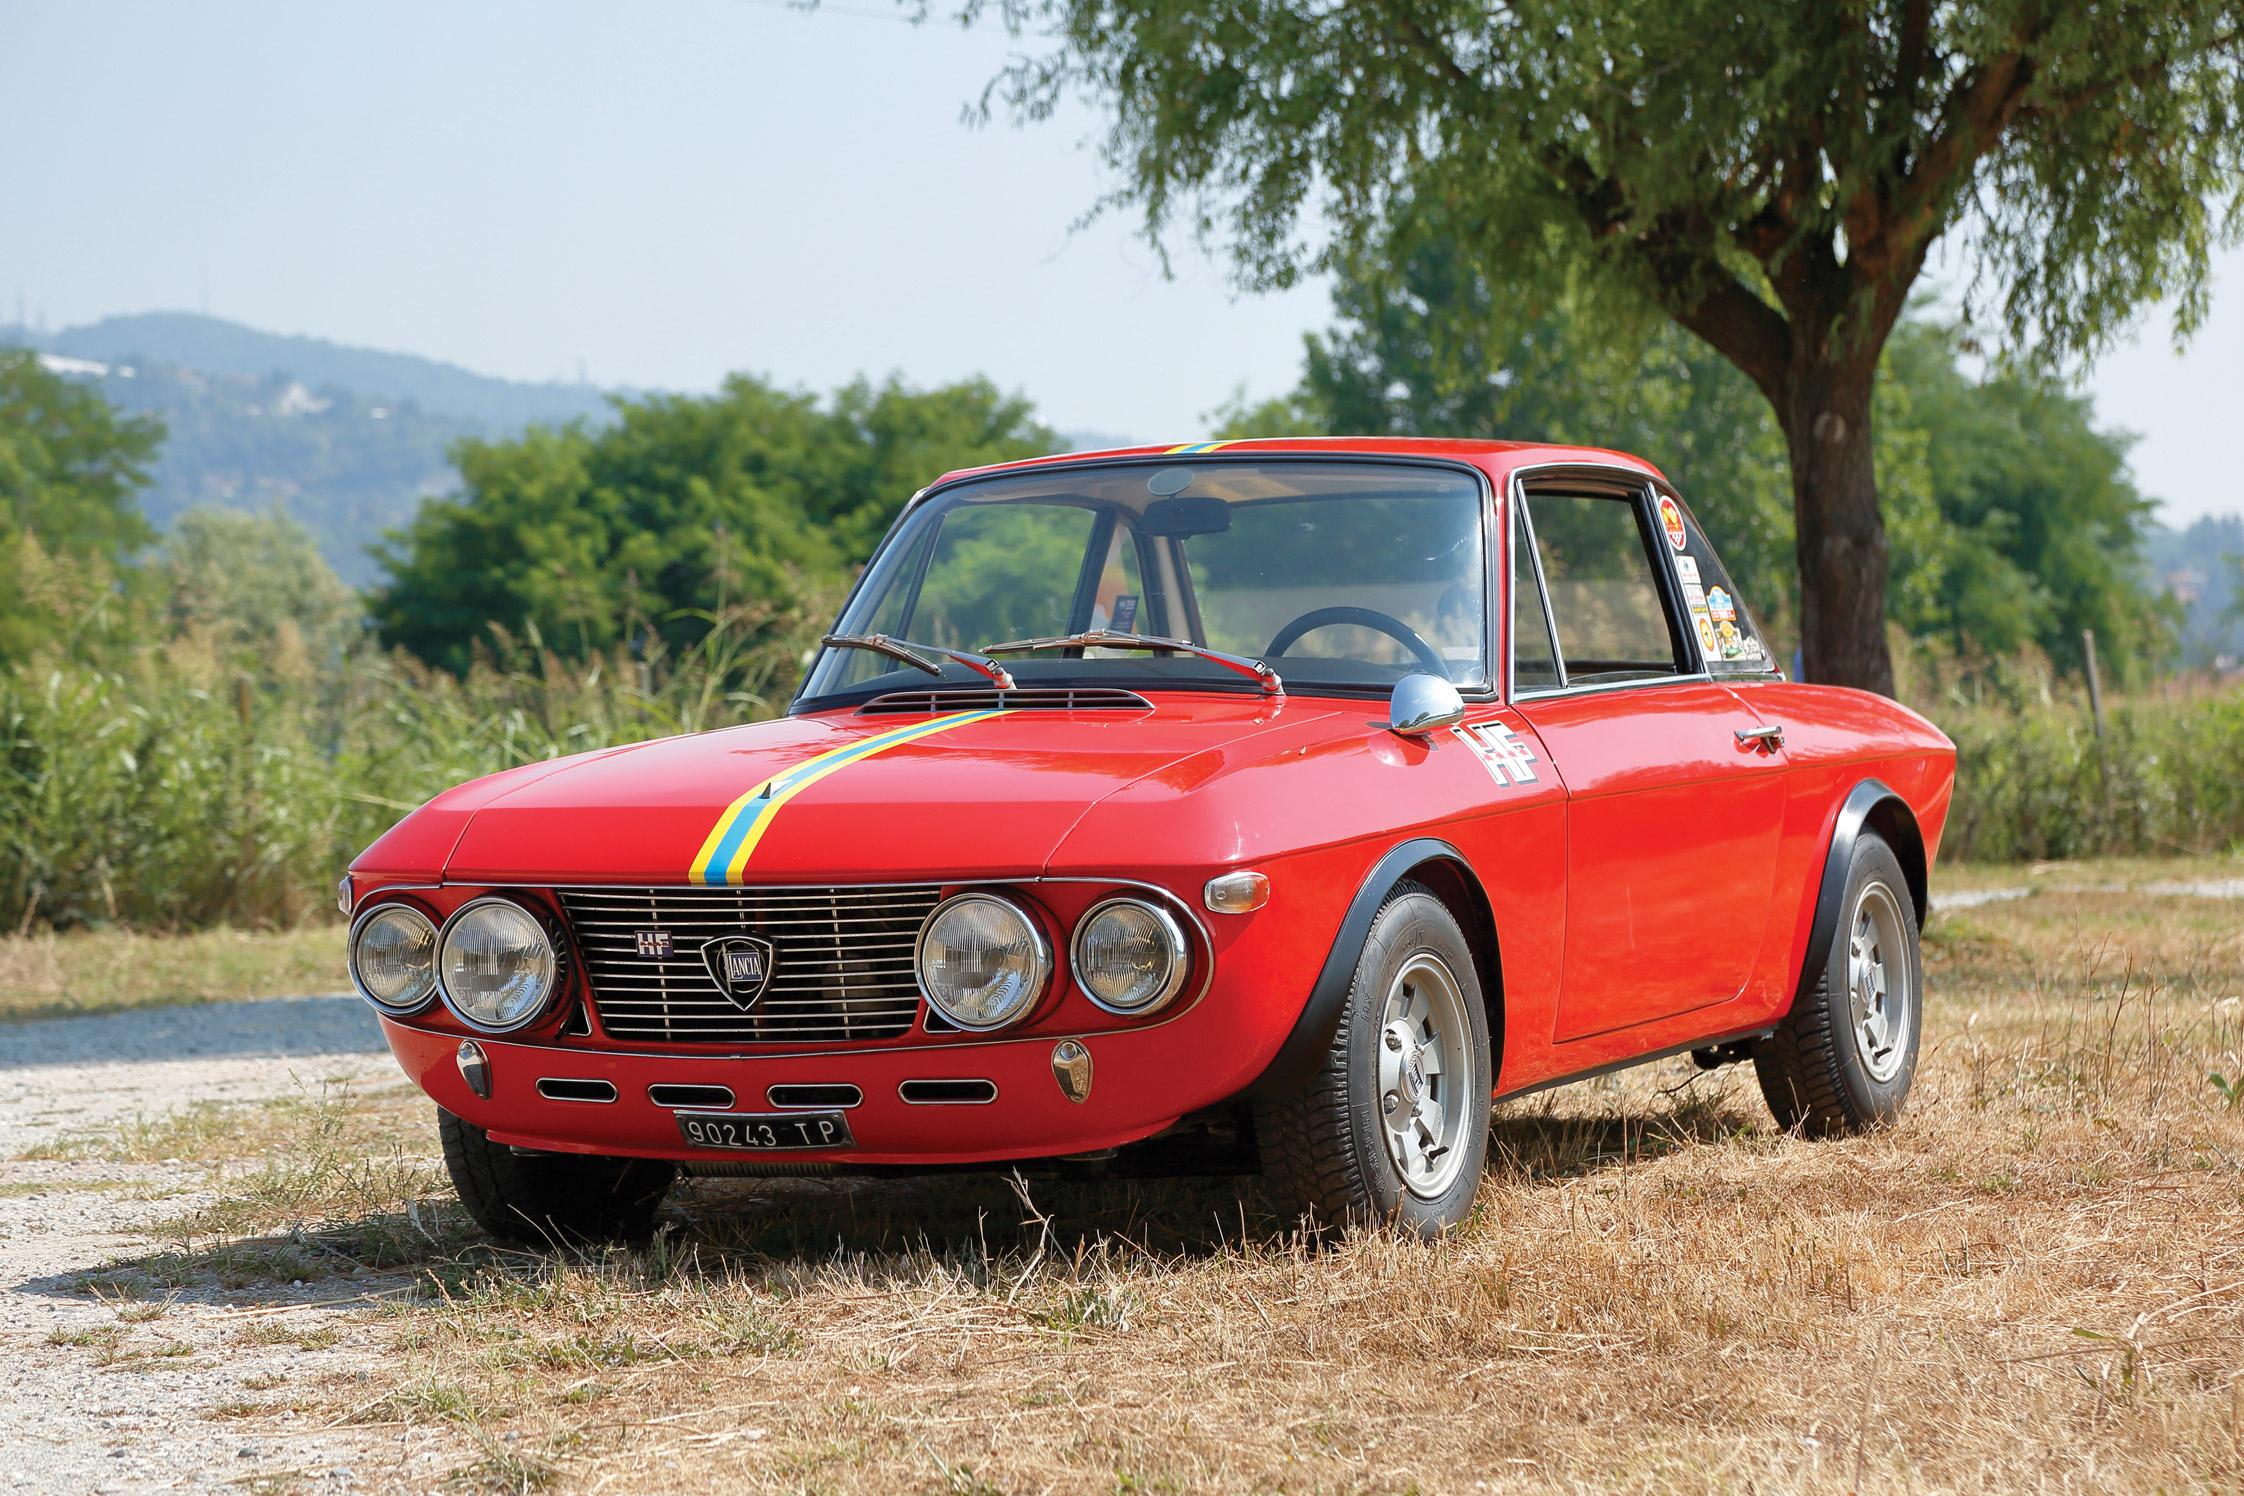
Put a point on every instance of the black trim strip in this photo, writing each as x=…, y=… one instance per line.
x=1299, y=1058
x=1854, y=813
x=1762, y=1031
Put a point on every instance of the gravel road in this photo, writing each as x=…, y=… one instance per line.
x=152, y=1416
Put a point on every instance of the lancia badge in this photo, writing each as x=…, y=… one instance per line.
x=740, y=965
x=1071, y=1067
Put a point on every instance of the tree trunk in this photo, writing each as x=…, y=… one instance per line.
x=1841, y=535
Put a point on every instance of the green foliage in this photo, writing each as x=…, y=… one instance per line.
x=69, y=467
x=256, y=583
x=2167, y=776
x=2042, y=529
x=681, y=508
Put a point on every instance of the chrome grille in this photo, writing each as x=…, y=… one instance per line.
x=1026, y=698
x=842, y=962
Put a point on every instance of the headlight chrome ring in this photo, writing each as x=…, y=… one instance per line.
x=1129, y=956
x=982, y=961
x=497, y=965
x=391, y=952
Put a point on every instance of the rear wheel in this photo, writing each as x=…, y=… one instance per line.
x=551, y=1198
x=1843, y=1060
x=1394, y=1125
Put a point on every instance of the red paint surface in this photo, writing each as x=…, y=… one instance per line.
x=1651, y=885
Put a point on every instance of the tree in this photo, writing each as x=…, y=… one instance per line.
x=255, y=583
x=2013, y=522
x=70, y=467
x=682, y=507
x=1770, y=176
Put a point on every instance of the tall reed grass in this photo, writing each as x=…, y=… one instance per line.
x=180, y=786
x=184, y=785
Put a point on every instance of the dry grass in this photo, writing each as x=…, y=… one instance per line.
x=2035, y=1283
x=2088, y=872
x=50, y=976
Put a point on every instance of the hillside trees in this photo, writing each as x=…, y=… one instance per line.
x=70, y=466
x=1772, y=176
x=681, y=507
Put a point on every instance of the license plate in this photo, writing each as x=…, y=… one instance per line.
x=739, y=1132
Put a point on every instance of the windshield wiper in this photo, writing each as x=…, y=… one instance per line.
x=1108, y=639
x=916, y=655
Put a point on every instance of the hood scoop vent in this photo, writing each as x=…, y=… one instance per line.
x=1027, y=699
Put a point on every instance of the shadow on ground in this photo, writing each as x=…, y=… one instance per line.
x=715, y=1226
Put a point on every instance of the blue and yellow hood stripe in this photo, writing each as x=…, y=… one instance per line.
x=724, y=856
x=1195, y=447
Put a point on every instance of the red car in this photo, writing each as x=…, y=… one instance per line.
x=1267, y=806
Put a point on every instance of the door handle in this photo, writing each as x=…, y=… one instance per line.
x=1768, y=739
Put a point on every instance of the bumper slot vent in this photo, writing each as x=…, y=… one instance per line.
x=806, y=1095
x=841, y=961
x=717, y=1097
x=948, y=1092
x=1026, y=699
x=555, y=1089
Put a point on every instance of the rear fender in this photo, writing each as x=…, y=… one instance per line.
x=1871, y=806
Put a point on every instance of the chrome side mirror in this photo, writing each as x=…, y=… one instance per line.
x=1423, y=704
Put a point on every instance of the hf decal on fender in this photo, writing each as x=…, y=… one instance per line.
x=1500, y=752
x=724, y=856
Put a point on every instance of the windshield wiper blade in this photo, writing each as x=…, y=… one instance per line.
x=1108, y=639
x=916, y=655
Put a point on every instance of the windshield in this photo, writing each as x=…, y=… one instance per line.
x=1340, y=574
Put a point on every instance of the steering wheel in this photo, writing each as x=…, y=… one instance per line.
x=1370, y=618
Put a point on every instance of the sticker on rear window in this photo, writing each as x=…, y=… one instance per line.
x=1718, y=603
x=1671, y=520
x=1687, y=567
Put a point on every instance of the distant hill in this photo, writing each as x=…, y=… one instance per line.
x=348, y=440
x=2198, y=565
x=210, y=345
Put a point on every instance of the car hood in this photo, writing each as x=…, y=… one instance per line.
x=840, y=797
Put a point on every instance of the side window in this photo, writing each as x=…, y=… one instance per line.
x=1727, y=634
x=1534, y=661
x=1605, y=602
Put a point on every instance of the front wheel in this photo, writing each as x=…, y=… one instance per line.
x=551, y=1199
x=1394, y=1125
x=1843, y=1059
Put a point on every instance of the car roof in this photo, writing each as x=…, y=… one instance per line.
x=1493, y=456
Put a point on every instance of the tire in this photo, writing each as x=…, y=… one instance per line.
x=551, y=1199
x=1328, y=1152
x=1844, y=1057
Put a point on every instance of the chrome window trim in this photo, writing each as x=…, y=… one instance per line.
x=367, y=912
x=542, y=1007
x=1043, y=983
x=1638, y=485
x=1179, y=974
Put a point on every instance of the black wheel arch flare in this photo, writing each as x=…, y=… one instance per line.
x=1444, y=870
x=1875, y=806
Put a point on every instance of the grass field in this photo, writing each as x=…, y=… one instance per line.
x=2035, y=1283
x=51, y=976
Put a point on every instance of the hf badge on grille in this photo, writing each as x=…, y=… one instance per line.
x=740, y=965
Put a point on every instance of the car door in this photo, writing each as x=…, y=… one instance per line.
x=1675, y=801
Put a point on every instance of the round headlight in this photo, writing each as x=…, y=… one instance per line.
x=982, y=961
x=498, y=965
x=1129, y=956
x=393, y=958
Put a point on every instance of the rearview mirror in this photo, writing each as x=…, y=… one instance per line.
x=1423, y=704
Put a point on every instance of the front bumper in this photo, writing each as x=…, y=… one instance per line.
x=1142, y=1081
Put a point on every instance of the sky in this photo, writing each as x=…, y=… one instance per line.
x=659, y=193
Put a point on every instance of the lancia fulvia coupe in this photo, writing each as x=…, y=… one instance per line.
x=1266, y=807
